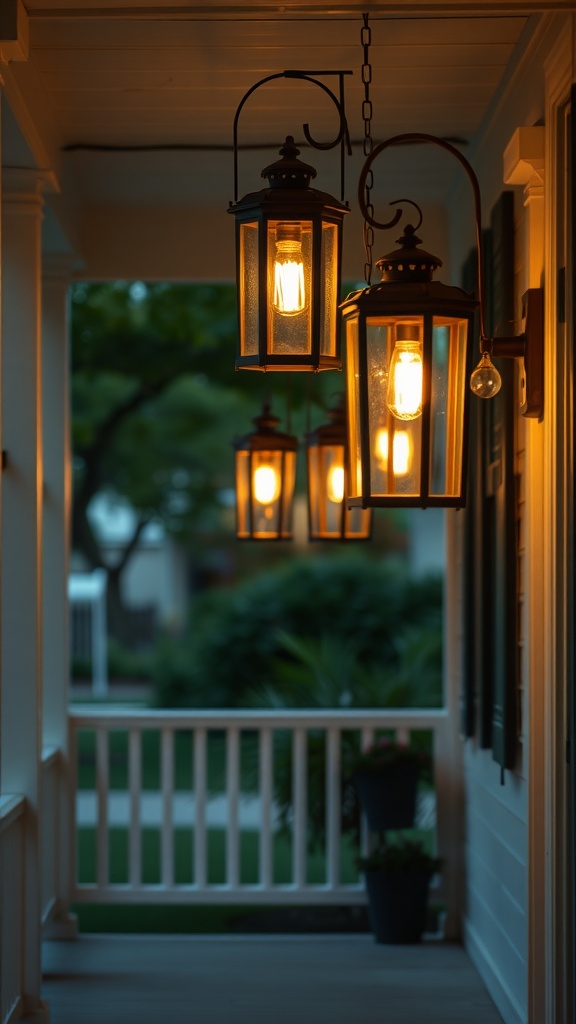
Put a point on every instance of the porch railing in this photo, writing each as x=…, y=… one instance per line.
x=193, y=807
x=12, y=824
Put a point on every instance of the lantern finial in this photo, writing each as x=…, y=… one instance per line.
x=289, y=171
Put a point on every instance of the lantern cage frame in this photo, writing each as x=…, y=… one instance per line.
x=306, y=338
x=270, y=520
x=326, y=521
x=407, y=290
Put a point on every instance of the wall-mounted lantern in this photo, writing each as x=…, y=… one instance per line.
x=408, y=363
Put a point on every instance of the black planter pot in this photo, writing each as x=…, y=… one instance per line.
x=397, y=902
x=388, y=797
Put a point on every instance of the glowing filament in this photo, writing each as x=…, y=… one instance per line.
x=266, y=484
x=289, y=288
x=405, y=382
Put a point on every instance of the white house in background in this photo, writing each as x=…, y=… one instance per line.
x=156, y=576
x=113, y=122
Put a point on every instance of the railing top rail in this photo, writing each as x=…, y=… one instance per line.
x=11, y=808
x=50, y=755
x=353, y=718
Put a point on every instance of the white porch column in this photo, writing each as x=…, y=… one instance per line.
x=21, y=534
x=55, y=559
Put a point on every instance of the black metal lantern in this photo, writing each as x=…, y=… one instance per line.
x=289, y=252
x=288, y=257
x=408, y=355
x=407, y=348
x=329, y=517
x=265, y=478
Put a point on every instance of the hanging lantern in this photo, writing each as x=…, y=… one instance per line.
x=408, y=354
x=407, y=344
x=265, y=478
x=329, y=517
x=288, y=256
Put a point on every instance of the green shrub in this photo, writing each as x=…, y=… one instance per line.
x=368, y=614
x=122, y=663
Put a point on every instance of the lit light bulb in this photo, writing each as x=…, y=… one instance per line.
x=401, y=451
x=289, y=289
x=405, y=379
x=266, y=484
x=335, y=484
x=485, y=381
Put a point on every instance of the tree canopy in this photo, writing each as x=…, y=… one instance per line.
x=156, y=403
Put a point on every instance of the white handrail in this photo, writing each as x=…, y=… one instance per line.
x=166, y=804
x=12, y=823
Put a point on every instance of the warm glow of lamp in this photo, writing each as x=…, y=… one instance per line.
x=266, y=484
x=329, y=516
x=335, y=484
x=405, y=383
x=401, y=450
x=265, y=477
x=289, y=281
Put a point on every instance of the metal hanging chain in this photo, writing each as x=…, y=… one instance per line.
x=366, y=39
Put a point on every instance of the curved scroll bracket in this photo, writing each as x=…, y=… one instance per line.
x=343, y=137
x=527, y=347
x=409, y=138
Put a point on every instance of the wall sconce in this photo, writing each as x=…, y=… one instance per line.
x=265, y=478
x=288, y=257
x=329, y=517
x=408, y=345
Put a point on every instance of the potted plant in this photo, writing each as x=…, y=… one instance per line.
x=397, y=877
x=386, y=776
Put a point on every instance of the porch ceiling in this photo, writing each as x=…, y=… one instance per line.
x=132, y=105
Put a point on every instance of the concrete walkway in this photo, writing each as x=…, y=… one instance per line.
x=332, y=979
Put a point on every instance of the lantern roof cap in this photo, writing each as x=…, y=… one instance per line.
x=266, y=436
x=333, y=432
x=289, y=171
x=404, y=296
x=409, y=262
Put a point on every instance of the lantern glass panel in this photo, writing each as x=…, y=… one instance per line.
x=289, y=287
x=358, y=522
x=264, y=494
x=329, y=289
x=396, y=444
x=248, y=288
x=448, y=391
x=353, y=409
x=326, y=490
x=243, y=494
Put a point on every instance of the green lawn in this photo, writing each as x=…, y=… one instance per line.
x=183, y=759
x=184, y=857
x=187, y=919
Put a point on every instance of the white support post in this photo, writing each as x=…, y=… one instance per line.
x=55, y=556
x=21, y=533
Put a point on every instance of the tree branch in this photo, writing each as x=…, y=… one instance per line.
x=130, y=547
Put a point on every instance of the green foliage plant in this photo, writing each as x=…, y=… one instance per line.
x=313, y=631
x=385, y=753
x=402, y=854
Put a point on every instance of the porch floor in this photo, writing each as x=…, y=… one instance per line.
x=244, y=979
